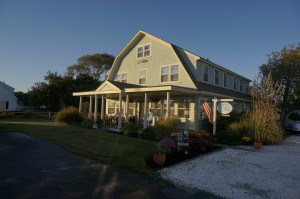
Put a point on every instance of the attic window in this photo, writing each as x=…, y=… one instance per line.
x=144, y=51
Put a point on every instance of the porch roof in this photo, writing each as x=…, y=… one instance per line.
x=113, y=87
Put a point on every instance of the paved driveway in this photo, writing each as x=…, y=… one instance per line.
x=31, y=168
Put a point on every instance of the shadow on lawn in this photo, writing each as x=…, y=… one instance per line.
x=178, y=157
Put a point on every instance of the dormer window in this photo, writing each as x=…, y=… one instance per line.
x=144, y=51
x=205, y=73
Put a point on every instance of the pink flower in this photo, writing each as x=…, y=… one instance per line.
x=167, y=143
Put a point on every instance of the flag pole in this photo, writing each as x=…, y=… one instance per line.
x=214, y=115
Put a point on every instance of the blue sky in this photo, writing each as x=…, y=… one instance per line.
x=38, y=35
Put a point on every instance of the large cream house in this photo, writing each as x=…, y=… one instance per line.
x=152, y=77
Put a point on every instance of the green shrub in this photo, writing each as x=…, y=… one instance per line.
x=6, y=116
x=69, y=115
x=131, y=129
x=263, y=118
x=164, y=128
x=224, y=122
x=200, y=141
x=87, y=123
x=171, y=123
x=230, y=138
x=148, y=134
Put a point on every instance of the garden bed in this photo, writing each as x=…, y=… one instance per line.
x=177, y=157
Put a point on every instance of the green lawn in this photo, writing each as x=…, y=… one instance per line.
x=116, y=150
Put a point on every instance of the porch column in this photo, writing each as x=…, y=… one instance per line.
x=80, y=104
x=134, y=109
x=168, y=105
x=145, y=110
x=120, y=111
x=90, y=107
x=197, y=112
x=138, y=110
x=127, y=108
x=161, y=103
x=96, y=109
x=102, y=107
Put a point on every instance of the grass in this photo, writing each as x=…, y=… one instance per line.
x=113, y=149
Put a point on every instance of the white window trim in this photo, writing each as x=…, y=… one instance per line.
x=169, y=73
x=145, y=69
x=143, y=45
x=122, y=76
x=117, y=75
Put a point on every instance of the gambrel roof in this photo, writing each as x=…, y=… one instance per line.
x=200, y=86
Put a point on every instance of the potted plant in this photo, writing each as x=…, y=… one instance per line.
x=258, y=139
x=159, y=155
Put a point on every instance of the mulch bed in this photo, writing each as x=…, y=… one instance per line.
x=177, y=157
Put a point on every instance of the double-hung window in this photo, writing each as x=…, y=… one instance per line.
x=216, y=77
x=205, y=73
x=118, y=77
x=174, y=73
x=124, y=78
x=121, y=77
x=169, y=73
x=164, y=74
x=142, y=76
x=144, y=51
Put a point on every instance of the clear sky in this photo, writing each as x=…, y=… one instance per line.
x=41, y=35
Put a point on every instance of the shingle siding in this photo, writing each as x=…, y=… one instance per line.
x=161, y=55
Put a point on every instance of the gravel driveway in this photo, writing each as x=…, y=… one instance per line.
x=243, y=172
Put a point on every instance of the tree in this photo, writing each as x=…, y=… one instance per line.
x=284, y=67
x=56, y=92
x=93, y=65
x=22, y=97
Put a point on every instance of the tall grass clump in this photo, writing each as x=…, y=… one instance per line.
x=262, y=121
x=69, y=115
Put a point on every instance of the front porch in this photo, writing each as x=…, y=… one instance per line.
x=122, y=102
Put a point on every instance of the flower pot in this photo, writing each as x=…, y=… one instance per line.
x=159, y=159
x=257, y=144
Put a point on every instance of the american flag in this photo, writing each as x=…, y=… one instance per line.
x=205, y=106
